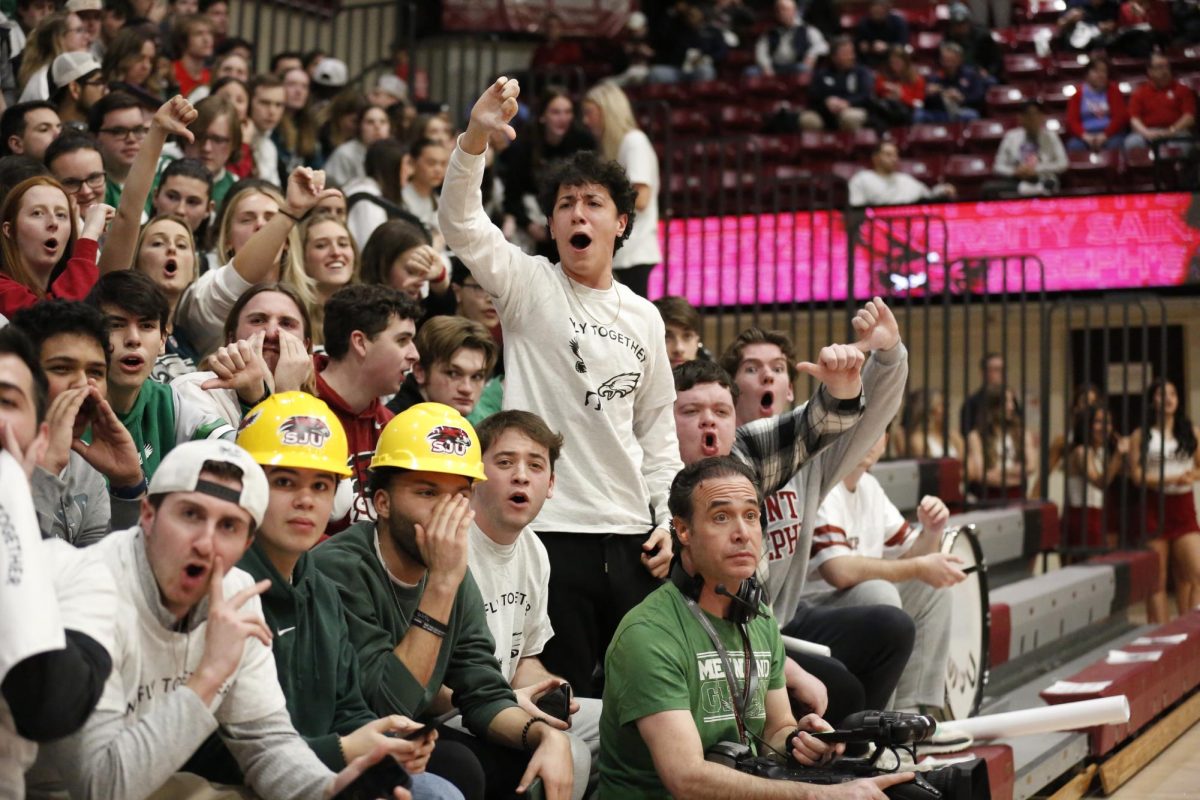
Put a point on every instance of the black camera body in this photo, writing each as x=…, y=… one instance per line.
x=885, y=729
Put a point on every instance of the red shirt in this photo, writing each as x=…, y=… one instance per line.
x=910, y=93
x=187, y=84
x=362, y=434
x=1161, y=108
x=73, y=284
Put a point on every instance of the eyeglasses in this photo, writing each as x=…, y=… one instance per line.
x=215, y=141
x=124, y=133
x=73, y=185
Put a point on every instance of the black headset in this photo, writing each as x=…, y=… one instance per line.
x=747, y=602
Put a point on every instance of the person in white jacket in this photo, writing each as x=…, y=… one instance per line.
x=1030, y=158
x=588, y=356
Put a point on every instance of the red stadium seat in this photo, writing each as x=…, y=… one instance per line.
x=765, y=86
x=669, y=92
x=1185, y=58
x=923, y=139
x=926, y=170
x=781, y=149
x=1122, y=67
x=1045, y=11
x=1090, y=173
x=967, y=174
x=982, y=136
x=1072, y=66
x=1023, y=66
x=926, y=44
x=1056, y=95
x=1130, y=85
x=1005, y=99
x=739, y=119
x=820, y=146
x=1138, y=169
x=690, y=122
x=861, y=142
x=713, y=91
x=1191, y=80
x=846, y=169
x=1024, y=37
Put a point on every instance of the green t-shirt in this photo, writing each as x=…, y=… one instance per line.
x=112, y=193
x=661, y=659
x=158, y=421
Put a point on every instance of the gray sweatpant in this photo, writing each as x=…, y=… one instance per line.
x=924, y=679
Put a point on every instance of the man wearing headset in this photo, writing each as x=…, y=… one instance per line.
x=700, y=661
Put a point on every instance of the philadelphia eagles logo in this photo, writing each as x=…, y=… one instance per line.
x=617, y=386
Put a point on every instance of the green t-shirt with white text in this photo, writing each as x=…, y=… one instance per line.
x=661, y=659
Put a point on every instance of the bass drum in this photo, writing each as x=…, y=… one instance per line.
x=970, y=626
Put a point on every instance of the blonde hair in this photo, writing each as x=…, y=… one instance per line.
x=316, y=307
x=618, y=116
x=181, y=222
x=291, y=268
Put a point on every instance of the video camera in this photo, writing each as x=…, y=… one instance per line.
x=887, y=730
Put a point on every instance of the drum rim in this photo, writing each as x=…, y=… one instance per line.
x=972, y=539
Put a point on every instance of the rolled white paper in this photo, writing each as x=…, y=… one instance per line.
x=1062, y=717
x=794, y=645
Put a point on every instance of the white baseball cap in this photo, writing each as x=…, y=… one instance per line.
x=72, y=66
x=393, y=85
x=180, y=469
x=77, y=6
x=331, y=72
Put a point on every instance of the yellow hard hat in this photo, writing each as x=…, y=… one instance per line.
x=295, y=429
x=430, y=437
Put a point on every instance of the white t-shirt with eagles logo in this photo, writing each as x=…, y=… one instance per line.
x=591, y=362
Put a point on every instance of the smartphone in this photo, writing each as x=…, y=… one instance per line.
x=536, y=790
x=556, y=702
x=432, y=724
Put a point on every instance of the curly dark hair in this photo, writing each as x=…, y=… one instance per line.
x=588, y=167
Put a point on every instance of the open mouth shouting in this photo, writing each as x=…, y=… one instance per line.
x=708, y=444
x=519, y=501
x=51, y=246
x=580, y=242
x=766, y=404
x=131, y=364
x=171, y=268
x=195, y=575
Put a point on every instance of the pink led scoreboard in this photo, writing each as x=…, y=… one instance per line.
x=1086, y=243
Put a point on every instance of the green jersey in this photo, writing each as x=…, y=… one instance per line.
x=661, y=659
x=158, y=421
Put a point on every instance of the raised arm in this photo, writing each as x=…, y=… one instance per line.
x=860, y=401
x=172, y=118
x=256, y=260
x=468, y=231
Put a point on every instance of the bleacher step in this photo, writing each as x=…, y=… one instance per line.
x=1040, y=760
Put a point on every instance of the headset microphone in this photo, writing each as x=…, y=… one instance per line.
x=751, y=609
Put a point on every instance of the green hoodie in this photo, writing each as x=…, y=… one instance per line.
x=378, y=611
x=317, y=665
